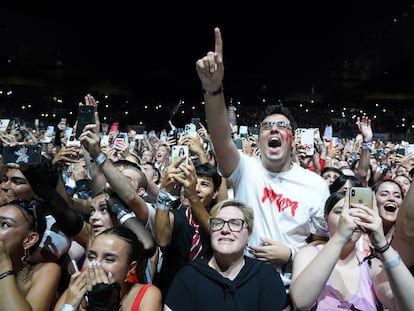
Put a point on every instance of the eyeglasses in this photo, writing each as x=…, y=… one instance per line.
x=268, y=125
x=235, y=225
x=28, y=206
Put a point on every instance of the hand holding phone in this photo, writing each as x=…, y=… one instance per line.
x=85, y=116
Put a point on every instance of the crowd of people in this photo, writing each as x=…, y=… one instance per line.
x=116, y=222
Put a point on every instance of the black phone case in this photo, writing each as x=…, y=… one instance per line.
x=22, y=154
x=85, y=116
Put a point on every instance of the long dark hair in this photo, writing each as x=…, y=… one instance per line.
x=130, y=238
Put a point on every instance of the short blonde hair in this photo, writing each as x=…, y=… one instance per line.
x=247, y=211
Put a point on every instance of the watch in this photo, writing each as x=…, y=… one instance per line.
x=100, y=159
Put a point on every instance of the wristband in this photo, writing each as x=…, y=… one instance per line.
x=100, y=159
x=213, y=93
x=367, y=146
x=67, y=307
x=6, y=274
x=164, y=200
x=368, y=141
x=125, y=217
x=392, y=263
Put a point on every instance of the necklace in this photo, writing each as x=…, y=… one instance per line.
x=23, y=276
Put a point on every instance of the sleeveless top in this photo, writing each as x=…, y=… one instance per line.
x=139, y=296
x=363, y=299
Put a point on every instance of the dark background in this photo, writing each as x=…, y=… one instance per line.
x=333, y=54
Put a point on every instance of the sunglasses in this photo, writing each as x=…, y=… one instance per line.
x=28, y=206
x=268, y=125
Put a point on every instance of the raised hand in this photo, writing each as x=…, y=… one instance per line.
x=210, y=68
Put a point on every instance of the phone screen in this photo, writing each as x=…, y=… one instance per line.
x=22, y=154
x=179, y=151
x=85, y=116
x=196, y=122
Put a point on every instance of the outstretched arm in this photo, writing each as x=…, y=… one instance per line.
x=308, y=280
x=210, y=70
x=403, y=240
x=364, y=125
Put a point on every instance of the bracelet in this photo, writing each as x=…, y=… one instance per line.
x=368, y=141
x=367, y=146
x=125, y=217
x=213, y=93
x=6, y=274
x=392, y=263
x=382, y=249
x=67, y=307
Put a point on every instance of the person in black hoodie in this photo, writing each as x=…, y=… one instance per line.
x=228, y=280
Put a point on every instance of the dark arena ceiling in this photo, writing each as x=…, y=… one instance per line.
x=140, y=61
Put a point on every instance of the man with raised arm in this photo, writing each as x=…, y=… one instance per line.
x=288, y=201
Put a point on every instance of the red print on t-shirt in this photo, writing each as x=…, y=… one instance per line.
x=281, y=202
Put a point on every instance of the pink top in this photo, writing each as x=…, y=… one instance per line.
x=364, y=298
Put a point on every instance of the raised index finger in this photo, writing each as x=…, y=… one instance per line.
x=218, y=42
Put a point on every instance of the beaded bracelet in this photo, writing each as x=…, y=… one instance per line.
x=6, y=274
x=392, y=263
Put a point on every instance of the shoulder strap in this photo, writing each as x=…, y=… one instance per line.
x=138, y=298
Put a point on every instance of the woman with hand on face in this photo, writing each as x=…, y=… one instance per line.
x=23, y=285
x=335, y=276
x=103, y=283
x=227, y=280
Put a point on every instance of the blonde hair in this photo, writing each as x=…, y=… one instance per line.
x=247, y=211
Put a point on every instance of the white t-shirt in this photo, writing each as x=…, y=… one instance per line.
x=287, y=206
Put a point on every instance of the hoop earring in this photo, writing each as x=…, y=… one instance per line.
x=25, y=257
x=24, y=273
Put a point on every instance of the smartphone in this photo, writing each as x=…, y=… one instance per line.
x=410, y=150
x=334, y=142
x=244, y=132
x=114, y=127
x=239, y=143
x=22, y=154
x=401, y=151
x=179, y=151
x=85, y=116
x=304, y=136
x=139, y=136
x=121, y=138
x=16, y=124
x=327, y=133
x=105, y=140
x=361, y=195
x=190, y=130
x=72, y=142
x=4, y=124
x=196, y=122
